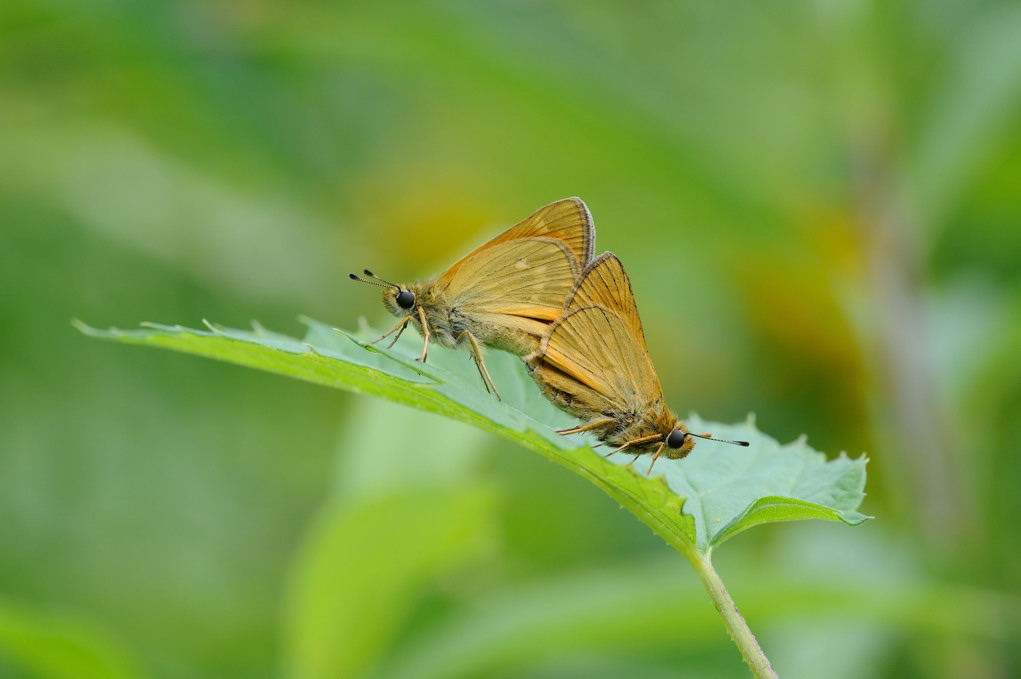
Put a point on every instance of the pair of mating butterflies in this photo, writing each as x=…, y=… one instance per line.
x=536, y=291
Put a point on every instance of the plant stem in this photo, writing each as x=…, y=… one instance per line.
x=732, y=618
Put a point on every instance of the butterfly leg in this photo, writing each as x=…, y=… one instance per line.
x=617, y=450
x=587, y=427
x=425, y=334
x=644, y=439
x=399, y=328
x=479, y=363
x=656, y=456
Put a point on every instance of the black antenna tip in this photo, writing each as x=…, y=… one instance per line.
x=709, y=437
x=354, y=277
x=369, y=273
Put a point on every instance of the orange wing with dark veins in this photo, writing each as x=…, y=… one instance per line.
x=596, y=352
x=605, y=283
x=527, y=277
x=592, y=354
x=567, y=220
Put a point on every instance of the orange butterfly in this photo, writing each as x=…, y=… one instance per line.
x=594, y=364
x=502, y=294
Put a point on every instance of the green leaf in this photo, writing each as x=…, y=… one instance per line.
x=60, y=645
x=722, y=489
x=590, y=613
x=357, y=574
x=730, y=489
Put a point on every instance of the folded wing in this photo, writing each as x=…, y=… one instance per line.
x=526, y=278
x=605, y=283
x=567, y=220
x=592, y=355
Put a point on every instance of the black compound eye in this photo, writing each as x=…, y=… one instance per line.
x=676, y=438
x=405, y=299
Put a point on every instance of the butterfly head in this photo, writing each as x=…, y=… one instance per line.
x=680, y=441
x=399, y=300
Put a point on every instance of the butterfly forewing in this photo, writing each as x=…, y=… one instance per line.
x=567, y=220
x=603, y=362
x=605, y=283
x=528, y=278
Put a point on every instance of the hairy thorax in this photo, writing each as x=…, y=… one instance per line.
x=449, y=320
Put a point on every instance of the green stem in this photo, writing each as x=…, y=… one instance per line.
x=732, y=618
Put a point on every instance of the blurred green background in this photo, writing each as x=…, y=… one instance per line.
x=819, y=204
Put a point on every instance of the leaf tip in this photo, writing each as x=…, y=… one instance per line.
x=83, y=327
x=86, y=329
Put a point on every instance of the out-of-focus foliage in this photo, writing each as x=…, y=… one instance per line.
x=819, y=207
